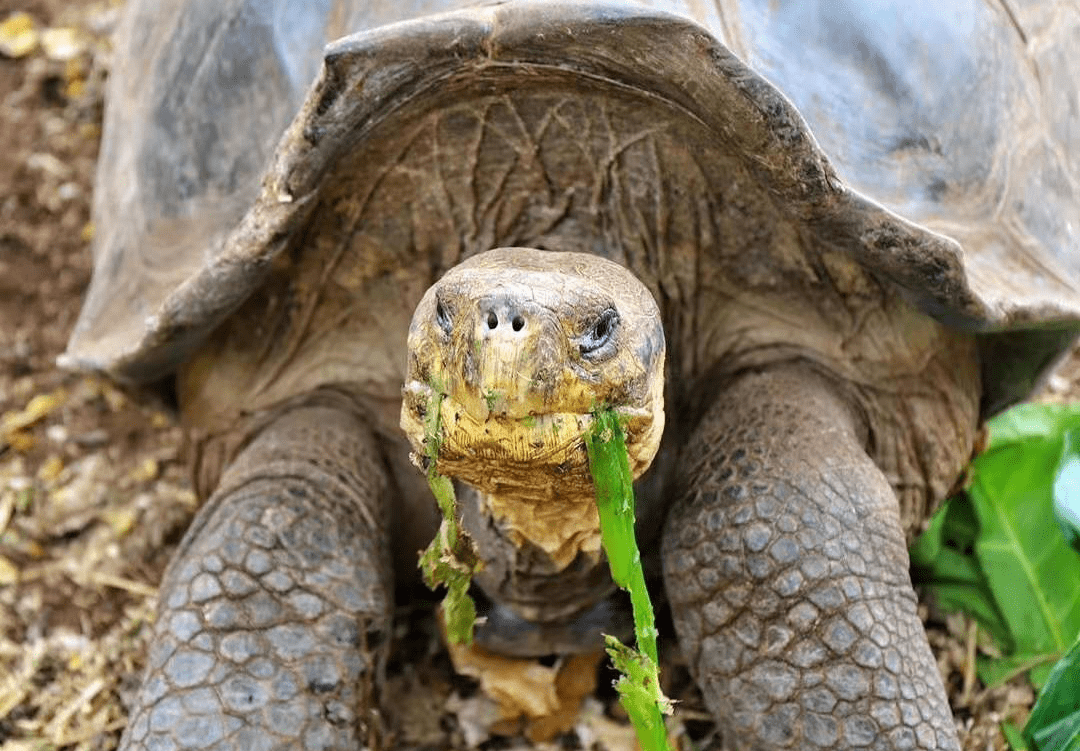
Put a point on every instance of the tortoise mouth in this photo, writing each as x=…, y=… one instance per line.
x=531, y=456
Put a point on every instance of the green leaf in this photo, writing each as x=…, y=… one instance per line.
x=450, y=559
x=943, y=561
x=1033, y=575
x=609, y=463
x=1039, y=674
x=1054, y=723
x=1012, y=734
x=1063, y=735
x=1026, y=422
x=638, y=693
x=994, y=671
x=997, y=551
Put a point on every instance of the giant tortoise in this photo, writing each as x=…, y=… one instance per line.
x=857, y=226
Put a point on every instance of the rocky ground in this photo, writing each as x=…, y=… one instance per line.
x=94, y=492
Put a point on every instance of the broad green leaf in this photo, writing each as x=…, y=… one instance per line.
x=1026, y=422
x=1039, y=674
x=997, y=551
x=1033, y=574
x=951, y=528
x=977, y=603
x=943, y=561
x=1063, y=735
x=1054, y=723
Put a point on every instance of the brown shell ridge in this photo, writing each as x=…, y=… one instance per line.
x=366, y=77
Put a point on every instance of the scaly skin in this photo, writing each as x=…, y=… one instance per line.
x=274, y=617
x=785, y=559
x=788, y=577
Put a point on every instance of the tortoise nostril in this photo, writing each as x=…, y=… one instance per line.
x=518, y=323
x=492, y=320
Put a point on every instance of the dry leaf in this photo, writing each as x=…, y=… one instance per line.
x=50, y=470
x=546, y=698
x=9, y=574
x=37, y=408
x=7, y=509
x=595, y=730
x=475, y=716
x=18, y=35
x=519, y=686
x=146, y=471
x=121, y=520
x=575, y=681
x=20, y=440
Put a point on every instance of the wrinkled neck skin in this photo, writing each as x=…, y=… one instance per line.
x=516, y=348
x=537, y=531
x=534, y=605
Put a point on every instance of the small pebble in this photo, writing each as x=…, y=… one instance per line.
x=68, y=191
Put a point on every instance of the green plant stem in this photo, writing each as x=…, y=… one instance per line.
x=639, y=686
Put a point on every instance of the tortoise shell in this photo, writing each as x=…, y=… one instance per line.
x=938, y=148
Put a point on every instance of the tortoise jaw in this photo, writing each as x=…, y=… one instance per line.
x=529, y=457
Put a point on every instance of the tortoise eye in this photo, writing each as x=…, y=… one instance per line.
x=443, y=317
x=600, y=334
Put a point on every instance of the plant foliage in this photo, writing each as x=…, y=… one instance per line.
x=450, y=559
x=1006, y=552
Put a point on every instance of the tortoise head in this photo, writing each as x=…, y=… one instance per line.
x=518, y=347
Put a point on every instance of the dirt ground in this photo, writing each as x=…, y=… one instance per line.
x=94, y=491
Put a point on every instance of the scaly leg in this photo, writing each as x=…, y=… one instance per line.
x=274, y=615
x=788, y=577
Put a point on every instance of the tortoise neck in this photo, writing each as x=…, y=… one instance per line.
x=542, y=560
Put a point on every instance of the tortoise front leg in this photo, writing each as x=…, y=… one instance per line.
x=274, y=615
x=788, y=577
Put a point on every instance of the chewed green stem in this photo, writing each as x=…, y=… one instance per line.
x=449, y=559
x=639, y=686
x=610, y=467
